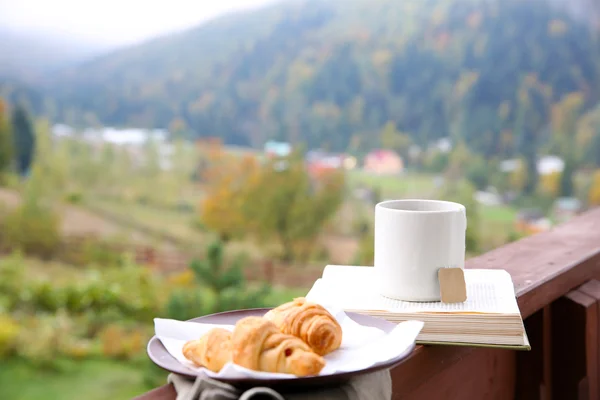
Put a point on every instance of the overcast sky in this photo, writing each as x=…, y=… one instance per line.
x=115, y=21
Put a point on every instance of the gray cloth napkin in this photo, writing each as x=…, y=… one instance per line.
x=375, y=386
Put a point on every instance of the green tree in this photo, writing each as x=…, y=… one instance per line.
x=220, y=286
x=6, y=142
x=459, y=160
x=49, y=164
x=594, y=193
x=34, y=226
x=593, y=151
x=565, y=115
x=525, y=131
x=365, y=254
x=437, y=161
x=284, y=203
x=24, y=139
x=478, y=172
x=395, y=140
x=566, y=179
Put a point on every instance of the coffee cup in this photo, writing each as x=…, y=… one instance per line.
x=413, y=240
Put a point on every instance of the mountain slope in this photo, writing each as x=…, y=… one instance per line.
x=335, y=72
x=27, y=55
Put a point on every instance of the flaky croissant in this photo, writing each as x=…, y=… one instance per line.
x=310, y=322
x=211, y=351
x=257, y=344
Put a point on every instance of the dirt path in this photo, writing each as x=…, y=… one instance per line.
x=9, y=198
x=77, y=221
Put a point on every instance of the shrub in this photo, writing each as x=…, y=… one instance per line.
x=12, y=280
x=118, y=343
x=33, y=229
x=74, y=198
x=514, y=236
x=79, y=350
x=44, y=338
x=9, y=333
x=225, y=288
x=126, y=296
x=182, y=279
x=10, y=180
x=186, y=304
x=366, y=251
x=96, y=252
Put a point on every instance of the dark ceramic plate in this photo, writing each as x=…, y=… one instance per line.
x=161, y=357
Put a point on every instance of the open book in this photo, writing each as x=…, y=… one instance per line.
x=490, y=317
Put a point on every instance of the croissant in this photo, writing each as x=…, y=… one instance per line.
x=211, y=351
x=258, y=345
x=310, y=322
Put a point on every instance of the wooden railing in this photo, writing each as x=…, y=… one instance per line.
x=555, y=276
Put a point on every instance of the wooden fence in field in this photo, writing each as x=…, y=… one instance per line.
x=82, y=249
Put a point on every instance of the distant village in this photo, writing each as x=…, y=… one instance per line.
x=382, y=162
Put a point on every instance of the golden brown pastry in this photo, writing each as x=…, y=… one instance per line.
x=310, y=322
x=257, y=344
x=211, y=351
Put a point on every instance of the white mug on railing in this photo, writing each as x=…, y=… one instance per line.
x=413, y=240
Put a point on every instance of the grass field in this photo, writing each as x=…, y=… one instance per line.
x=161, y=220
x=409, y=184
x=495, y=225
x=90, y=380
x=497, y=214
x=178, y=225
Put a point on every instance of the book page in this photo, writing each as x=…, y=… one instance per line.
x=354, y=288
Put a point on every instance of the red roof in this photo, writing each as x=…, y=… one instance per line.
x=382, y=153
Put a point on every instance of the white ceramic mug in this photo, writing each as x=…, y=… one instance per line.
x=413, y=240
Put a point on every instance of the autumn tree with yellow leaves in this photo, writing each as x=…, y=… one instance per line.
x=226, y=181
x=277, y=203
x=288, y=206
x=594, y=194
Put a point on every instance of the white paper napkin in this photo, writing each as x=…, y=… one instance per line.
x=362, y=346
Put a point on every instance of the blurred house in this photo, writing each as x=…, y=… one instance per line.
x=383, y=162
x=132, y=140
x=443, y=145
x=277, y=149
x=62, y=130
x=531, y=221
x=488, y=198
x=550, y=164
x=319, y=161
x=566, y=208
x=546, y=165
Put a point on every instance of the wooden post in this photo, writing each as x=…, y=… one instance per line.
x=575, y=347
x=482, y=374
x=547, y=351
x=530, y=364
x=592, y=289
x=269, y=271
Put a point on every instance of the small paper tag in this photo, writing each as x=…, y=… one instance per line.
x=453, y=288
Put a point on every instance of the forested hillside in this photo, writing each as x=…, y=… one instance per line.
x=333, y=73
x=28, y=55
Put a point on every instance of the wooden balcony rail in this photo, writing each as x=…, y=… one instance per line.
x=555, y=276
